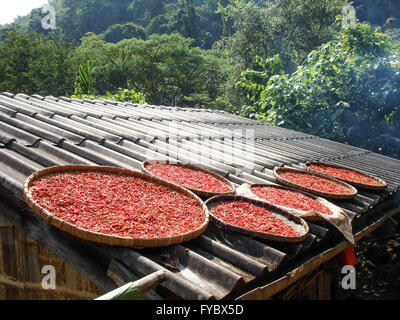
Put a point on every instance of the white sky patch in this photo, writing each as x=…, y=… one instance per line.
x=11, y=9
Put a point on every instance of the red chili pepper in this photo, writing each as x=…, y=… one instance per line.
x=313, y=182
x=290, y=199
x=345, y=174
x=118, y=204
x=250, y=216
x=189, y=178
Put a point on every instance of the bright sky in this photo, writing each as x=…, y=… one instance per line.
x=10, y=9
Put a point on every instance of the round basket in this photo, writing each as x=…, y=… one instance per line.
x=109, y=238
x=201, y=193
x=323, y=194
x=355, y=184
x=297, y=223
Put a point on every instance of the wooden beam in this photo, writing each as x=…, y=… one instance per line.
x=151, y=281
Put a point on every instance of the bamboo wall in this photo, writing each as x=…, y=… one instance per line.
x=21, y=263
x=316, y=286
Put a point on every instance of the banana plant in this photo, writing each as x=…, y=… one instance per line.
x=86, y=77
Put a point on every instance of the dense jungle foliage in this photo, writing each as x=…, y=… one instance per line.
x=286, y=62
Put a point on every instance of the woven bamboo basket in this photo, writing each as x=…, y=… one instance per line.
x=313, y=191
x=201, y=193
x=355, y=184
x=110, y=239
x=297, y=223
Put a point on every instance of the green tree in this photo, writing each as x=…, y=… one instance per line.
x=118, y=32
x=76, y=18
x=290, y=28
x=35, y=21
x=123, y=19
x=33, y=63
x=170, y=71
x=167, y=68
x=111, y=61
x=158, y=25
x=210, y=22
x=143, y=11
x=187, y=22
x=345, y=86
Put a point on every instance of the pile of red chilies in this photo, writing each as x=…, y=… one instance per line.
x=290, y=199
x=345, y=174
x=189, y=178
x=249, y=216
x=118, y=205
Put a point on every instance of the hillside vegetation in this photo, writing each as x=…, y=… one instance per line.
x=286, y=62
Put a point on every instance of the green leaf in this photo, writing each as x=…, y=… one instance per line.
x=127, y=292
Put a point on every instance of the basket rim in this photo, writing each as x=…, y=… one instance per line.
x=263, y=235
x=313, y=191
x=199, y=192
x=105, y=238
x=356, y=184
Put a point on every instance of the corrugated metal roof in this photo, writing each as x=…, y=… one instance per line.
x=37, y=132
